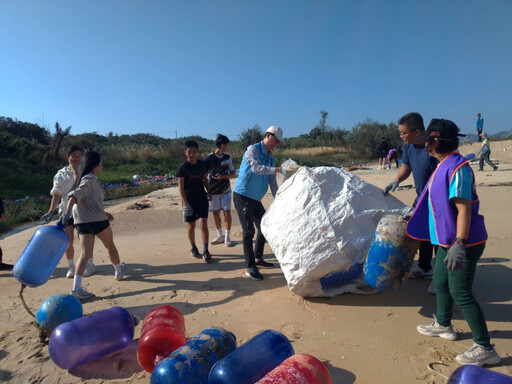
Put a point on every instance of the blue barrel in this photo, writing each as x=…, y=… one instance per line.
x=253, y=360
x=91, y=337
x=41, y=255
x=192, y=362
x=337, y=279
x=58, y=309
x=471, y=374
x=391, y=254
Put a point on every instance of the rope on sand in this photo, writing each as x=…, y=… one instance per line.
x=305, y=305
x=432, y=369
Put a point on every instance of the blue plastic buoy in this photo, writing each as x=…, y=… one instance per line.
x=191, y=363
x=41, y=255
x=391, y=254
x=253, y=360
x=337, y=279
x=58, y=309
x=470, y=374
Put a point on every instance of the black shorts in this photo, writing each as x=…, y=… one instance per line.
x=92, y=228
x=70, y=222
x=200, y=207
x=383, y=154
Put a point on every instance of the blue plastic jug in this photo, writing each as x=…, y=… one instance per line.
x=192, y=362
x=91, y=337
x=391, y=254
x=470, y=374
x=41, y=255
x=58, y=309
x=253, y=360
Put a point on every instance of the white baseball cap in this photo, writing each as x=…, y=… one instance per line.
x=276, y=131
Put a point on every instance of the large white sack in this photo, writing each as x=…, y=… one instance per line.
x=322, y=221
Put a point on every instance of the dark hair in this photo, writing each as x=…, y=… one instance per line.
x=91, y=160
x=413, y=121
x=221, y=139
x=190, y=144
x=444, y=144
x=73, y=148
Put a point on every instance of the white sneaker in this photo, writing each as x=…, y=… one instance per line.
x=81, y=294
x=71, y=272
x=90, y=268
x=478, y=355
x=431, y=290
x=218, y=240
x=228, y=243
x=419, y=273
x=434, y=329
x=120, y=276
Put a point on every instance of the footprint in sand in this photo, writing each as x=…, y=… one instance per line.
x=291, y=332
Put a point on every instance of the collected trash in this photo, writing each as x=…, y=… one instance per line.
x=139, y=206
x=321, y=222
x=299, y=369
x=56, y=310
x=391, y=254
x=91, y=337
x=253, y=360
x=163, y=331
x=191, y=363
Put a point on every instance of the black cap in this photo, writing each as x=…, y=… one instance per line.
x=440, y=128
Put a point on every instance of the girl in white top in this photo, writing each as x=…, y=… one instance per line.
x=63, y=182
x=91, y=220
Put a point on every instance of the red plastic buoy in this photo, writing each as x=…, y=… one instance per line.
x=299, y=369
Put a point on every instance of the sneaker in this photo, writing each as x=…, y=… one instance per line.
x=264, y=264
x=207, y=257
x=254, y=274
x=431, y=290
x=120, y=275
x=434, y=329
x=228, y=243
x=478, y=355
x=218, y=240
x=5, y=267
x=71, y=271
x=90, y=268
x=495, y=168
x=195, y=252
x=420, y=273
x=81, y=294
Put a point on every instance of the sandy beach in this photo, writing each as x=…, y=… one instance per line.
x=363, y=339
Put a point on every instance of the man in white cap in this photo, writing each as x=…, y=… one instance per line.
x=257, y=172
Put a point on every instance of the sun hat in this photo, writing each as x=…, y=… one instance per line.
x=276, y=131
x=440, y=128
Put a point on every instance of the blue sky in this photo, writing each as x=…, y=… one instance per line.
x=202, y=67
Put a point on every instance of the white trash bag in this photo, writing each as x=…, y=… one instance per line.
x=321, y=224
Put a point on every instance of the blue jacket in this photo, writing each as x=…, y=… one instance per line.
x=256, y=173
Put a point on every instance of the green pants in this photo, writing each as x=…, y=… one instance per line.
x=457, y=287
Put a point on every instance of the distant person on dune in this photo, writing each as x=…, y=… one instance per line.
x=3, y=266
x=479, y=126
x=392, y=155
x=383, y=151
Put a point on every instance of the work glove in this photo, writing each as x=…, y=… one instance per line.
x=64, y=217
x=390, y=187
x=187, y=210
x=46, y=218
x=456, y=257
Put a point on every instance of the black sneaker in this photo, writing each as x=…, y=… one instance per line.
x=264, y=264
x=5, y=267
x=207, y=257
x=195, y=252
x=254, y=274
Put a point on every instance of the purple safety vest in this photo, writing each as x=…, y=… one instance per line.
x=443, y=210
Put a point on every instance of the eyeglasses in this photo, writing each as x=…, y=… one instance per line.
x=402, y=133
